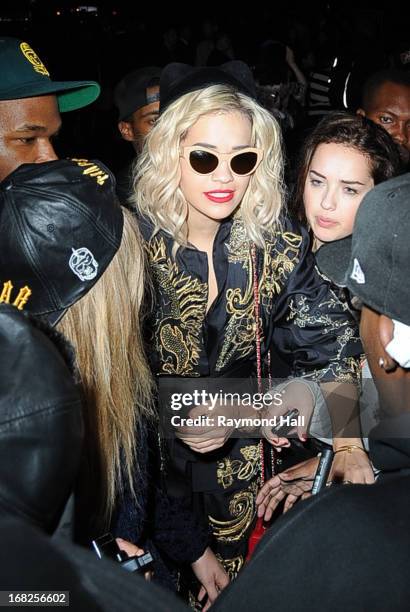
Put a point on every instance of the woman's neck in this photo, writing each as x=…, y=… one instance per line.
x=201, y=230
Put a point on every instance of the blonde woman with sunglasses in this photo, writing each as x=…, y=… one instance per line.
x=233, y=279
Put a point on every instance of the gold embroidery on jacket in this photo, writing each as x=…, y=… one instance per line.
x=279, y=260
x=338, y=368
x=178, y=337
x=239, y=335
x=228, y=468
x=242, y=508
x=278, y=264
x=231, y=566
x=238, y=245
x=179, y=329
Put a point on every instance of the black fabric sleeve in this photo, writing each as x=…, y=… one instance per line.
x=313, y=329
x=154, y=514
x=177, y=533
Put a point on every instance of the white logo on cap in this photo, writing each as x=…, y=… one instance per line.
x=83, y=264
x=357, y=273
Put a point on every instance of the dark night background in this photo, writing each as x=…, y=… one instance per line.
x=102, y=41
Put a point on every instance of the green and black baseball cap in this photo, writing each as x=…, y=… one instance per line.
x=23, y=75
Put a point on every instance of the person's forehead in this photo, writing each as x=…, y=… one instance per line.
x=146, y=111
x=31, y=111
x=232, y=124
x=392, y=95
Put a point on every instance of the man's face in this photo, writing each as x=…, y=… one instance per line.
x=27, y=128
x=142, y=121
x=390, y=108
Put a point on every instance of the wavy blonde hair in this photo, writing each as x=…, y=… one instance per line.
x=105, y=330
x=157, y=194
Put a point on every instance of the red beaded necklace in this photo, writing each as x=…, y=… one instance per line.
x=260, y=527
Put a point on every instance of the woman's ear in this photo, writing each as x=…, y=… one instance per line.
x=386, y=331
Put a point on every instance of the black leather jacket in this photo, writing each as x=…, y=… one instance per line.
x=41, y=427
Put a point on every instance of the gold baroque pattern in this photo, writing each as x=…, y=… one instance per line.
x=179, y=329
x=280, y=258
x=340, y=369
x=231, y=566
x=239, y=336
x=242, y=508
x=228, y=468
x=302, y=316
x=238, y=245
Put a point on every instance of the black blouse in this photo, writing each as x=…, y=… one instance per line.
x=305, y=322
x=307, y=329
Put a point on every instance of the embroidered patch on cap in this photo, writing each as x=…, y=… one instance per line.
x=34, y=59
x=357, y=273
x=91, y=169
x=83, y=264
x=20, y=300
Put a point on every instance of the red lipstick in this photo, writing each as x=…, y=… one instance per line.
x=220, y=196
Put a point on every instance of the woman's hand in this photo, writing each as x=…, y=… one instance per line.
x=133, y=551
x=211, y=575
x=351, y=466
x=209, y=436
x=294, y=394
x=294, y=483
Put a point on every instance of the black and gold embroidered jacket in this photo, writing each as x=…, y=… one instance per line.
x=306, y=327
x=303, y=320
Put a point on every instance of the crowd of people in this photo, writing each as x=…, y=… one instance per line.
x=209, y=267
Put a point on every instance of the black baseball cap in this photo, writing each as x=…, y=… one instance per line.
x=60, y=226
x=374, y=262
x=179, y=79
x=41, y=426
x=130, y=93
x=23, y=75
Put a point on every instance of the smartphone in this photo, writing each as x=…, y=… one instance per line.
x=106, y=546
x=283, y=430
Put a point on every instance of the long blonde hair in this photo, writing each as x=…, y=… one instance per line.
x=105, y=330
x=157, y=194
